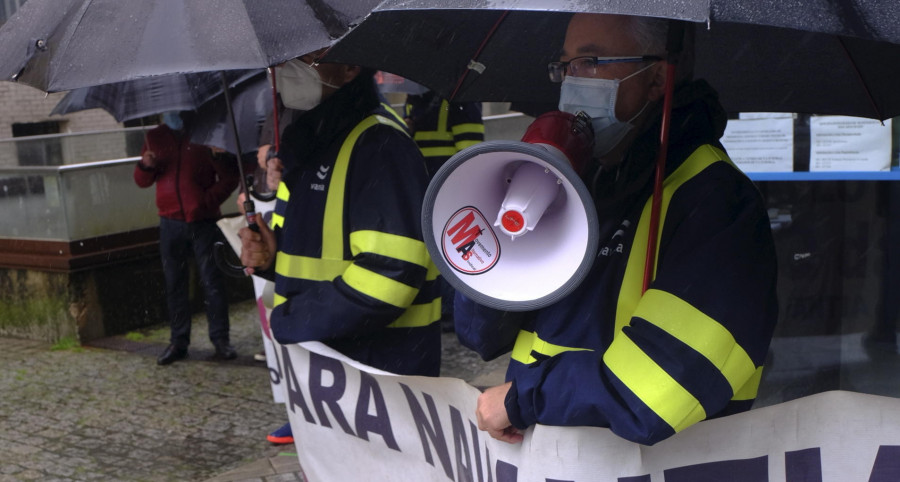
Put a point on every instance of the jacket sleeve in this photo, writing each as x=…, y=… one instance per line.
x=144, y=177
x=225, y=167
x=390, y=265
x=466, y=124
x=487, y=331
x=697, y=338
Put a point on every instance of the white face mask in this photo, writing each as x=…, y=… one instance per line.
x=300, y=85
x=597, y=98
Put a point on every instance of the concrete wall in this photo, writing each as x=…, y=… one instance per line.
x=24, y=104
x=94, y=303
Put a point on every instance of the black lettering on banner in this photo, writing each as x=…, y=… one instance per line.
x=461, y=446
x=433, y=428
x=476, y=448
x=275, y=373
x=379, y=423
x=321, y=395
x=295, y=396
x=507, y=472
x=803, y=465
x=887, y=464
x=745, y=470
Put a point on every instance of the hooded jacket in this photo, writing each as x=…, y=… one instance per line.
x=690, y=348
x=352, y=270
x=190, y=184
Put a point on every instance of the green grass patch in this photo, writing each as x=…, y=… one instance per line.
x=66, y=343
x=135, y=336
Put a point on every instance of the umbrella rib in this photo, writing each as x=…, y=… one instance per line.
x=69, y=35
x=484, y=42
x=862, y=80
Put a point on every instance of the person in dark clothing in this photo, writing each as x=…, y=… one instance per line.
x=441, y=129
x=350, y=265
x=645, y=364
x=191, y=185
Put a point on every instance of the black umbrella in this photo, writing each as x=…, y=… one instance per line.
x=814, y=56
x=57, y=45
x=817, y=56
x=251, y=102
x=133, y=99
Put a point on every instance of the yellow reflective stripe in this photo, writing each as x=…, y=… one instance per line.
x=700, y=332
x=333, y=220
x=632, y=282
x=390, y=110
x=277, y=220
x=414, y=316
x=751, y=388
x=442, y=115
x=390, y=245
x=527, y=342
x=438, y=151
x=469, y=128
x=379, y=286
x=659, y=391
x=433, y=136
x=460, y=145
x=304, y=267
x=433, y=271
x=282, y=193
x=419, y=315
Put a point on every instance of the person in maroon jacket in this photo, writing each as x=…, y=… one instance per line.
x=191, y=184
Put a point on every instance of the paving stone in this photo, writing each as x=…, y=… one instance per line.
x=108, y=412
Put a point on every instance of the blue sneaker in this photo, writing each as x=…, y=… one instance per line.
x=282, y=436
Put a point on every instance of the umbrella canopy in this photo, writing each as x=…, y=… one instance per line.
x=814, y=56
x=251, y=103
x=57, y=45
x=142, y=97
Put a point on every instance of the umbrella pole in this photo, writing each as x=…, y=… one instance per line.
x=276, y=134
x=249, y=206
x=473, y=63
x=673, y=47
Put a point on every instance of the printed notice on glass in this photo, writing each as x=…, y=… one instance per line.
x=761, y=142
x=839, y=143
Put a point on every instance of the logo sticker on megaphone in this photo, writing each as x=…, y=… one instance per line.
x=470, y=245
x=519, y=199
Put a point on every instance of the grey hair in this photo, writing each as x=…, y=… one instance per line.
x=650, y=33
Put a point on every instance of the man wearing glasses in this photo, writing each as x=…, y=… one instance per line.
x=645, y=364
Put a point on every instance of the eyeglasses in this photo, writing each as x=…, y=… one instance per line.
x=589, y=66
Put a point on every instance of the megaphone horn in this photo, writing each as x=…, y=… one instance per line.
x=509, y=223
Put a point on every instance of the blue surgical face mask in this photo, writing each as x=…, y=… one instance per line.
x=597, y=98
x=173, y=120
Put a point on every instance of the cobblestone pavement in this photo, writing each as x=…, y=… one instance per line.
x=108, y=412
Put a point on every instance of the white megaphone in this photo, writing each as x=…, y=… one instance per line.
x=509, y=224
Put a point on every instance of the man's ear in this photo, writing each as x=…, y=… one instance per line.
x=657, y=81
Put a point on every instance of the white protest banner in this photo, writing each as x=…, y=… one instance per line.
x=761, y=142
x=840, y=143
x=264, y=290
x=351, y=422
